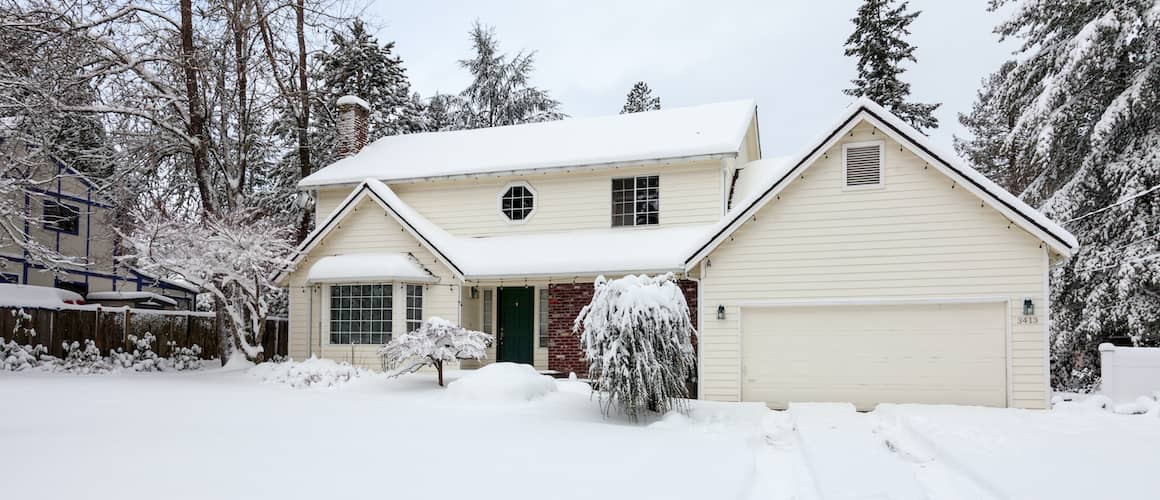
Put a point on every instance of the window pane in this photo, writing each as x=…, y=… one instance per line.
x=544, y=304
x=358, y=313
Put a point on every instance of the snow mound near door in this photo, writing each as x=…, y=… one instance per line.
x=502, y=382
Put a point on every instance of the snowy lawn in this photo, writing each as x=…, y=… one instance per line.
x=246, y=433
x=226, y=434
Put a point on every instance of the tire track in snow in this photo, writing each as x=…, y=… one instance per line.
x=779, y=469
x=940, y=478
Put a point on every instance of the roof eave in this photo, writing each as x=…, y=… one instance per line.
x=303, y=185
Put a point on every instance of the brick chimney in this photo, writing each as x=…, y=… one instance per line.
x=351, y=135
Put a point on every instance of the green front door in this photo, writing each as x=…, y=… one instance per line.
x=515, y=317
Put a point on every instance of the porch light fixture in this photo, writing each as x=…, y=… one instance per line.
x=720, y=312
x=1028, y=307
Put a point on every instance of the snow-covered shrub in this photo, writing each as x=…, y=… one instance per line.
x=142, y=359
x=184, y=358
x=435, y=342
x=83, y=360
x=15, y=357
x=502, y=382
x=637, y=338
x=313, y=372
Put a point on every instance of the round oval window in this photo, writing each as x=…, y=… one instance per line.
x=518, y=202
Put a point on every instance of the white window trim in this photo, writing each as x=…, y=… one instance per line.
x=881, y=165
x=612, y=210
x=504, y=190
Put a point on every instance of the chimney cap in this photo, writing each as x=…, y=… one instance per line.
x=349, y=100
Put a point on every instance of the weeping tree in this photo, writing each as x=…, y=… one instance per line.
x=637, y=337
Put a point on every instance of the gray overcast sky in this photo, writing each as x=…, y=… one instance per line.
x=785, y=54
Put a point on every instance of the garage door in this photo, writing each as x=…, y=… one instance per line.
x=915, y=353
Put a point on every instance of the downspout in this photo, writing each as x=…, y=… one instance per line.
x=700, y=327
x=309, y=321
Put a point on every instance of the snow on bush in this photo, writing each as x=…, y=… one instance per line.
x=313, y=372
x=637, y=338
x=15, y=357
x=142, y=359
x=436, y=342
x=502, y=382
x=184, y=358
x=85, y=360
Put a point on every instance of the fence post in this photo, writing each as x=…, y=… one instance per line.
x=125, y=331
x=97, y=320
x=51, y=328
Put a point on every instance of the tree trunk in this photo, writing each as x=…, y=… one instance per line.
x=196, y=125
x=303, y=115
x=225, y=338
x=439, y=370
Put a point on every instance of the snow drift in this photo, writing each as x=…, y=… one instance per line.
x=502, y=382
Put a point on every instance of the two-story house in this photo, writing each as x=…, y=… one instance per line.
x=68, y=214
x=870, y=267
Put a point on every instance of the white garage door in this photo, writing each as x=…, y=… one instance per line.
x=915, y=353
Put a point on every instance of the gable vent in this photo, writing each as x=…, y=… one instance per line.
x=863, y=164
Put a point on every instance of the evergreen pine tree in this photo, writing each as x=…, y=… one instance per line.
x=359, y=65
x=879, y=46
x=437, y=115
x=990, y=122
x=1084, y=134
x=501, y=92
x=640, y=99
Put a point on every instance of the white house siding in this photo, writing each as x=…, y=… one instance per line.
x=369, y=229
x=690, y=193
x=917, y=238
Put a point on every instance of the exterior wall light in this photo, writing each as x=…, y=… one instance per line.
x=1028, y=307
x=721, y=312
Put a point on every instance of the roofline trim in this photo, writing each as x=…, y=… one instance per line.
x=1053, y=240
x=529, y=171
x=321, y=231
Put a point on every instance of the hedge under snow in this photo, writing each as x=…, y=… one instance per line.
x=313, y=372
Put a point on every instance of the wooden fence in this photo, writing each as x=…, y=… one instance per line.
x=110, y=328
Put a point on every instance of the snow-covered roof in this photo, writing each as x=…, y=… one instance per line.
x=37, y=296
x=695, y=131
x=563, y=254
x=756, y=174
x=131, y=296
x=379, y=266
x=781, y=175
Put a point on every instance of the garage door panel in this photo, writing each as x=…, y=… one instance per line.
x=928, y=353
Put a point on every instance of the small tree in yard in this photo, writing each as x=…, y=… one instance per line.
x=233, y=259
x=637, y=337
x=435, y=342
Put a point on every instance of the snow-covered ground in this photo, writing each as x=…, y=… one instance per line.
x=247, y=433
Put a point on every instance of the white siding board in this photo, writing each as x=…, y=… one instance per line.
x=915, y=238
x=367, y=229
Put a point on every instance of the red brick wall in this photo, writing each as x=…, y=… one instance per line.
x=564, y=304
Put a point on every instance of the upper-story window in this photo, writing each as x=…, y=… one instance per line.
x=61, y=217
x=518, y=202
x=636, y=201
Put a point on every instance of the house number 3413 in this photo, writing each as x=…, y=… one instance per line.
x=1028, y=320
